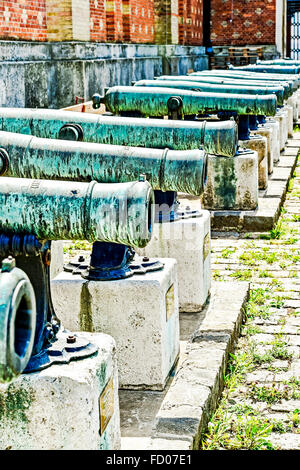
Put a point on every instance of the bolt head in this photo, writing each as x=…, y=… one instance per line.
x=71, y=339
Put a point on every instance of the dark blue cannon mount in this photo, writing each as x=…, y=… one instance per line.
x=52, y=344
x=112, y=261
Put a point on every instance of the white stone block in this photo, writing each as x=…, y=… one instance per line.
x=282, y=117
x=57, y=258
x=274, y=125
x=71, y=406
x=293, y=101
x=267, y=132
x=232, y=182
x=259, y=144
x=290, y=121
x=188, y=241
x=140, y=313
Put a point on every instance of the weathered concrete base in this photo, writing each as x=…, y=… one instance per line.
x=282, y=117
x=188, y=241
x=269, y=201
x=267, y=132
x=57, y=258
x=194, y=391
x=140, y=313
x=232, y=182
x=274, y=125
x=259, y=144
x=293, y=101
x=290, y=122
x=58, y=408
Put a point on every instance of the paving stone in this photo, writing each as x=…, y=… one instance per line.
x=280, y=174
x=287, y=161
x=288, y=441
x=266, y=376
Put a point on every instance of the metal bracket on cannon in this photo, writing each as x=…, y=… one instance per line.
x=51, y=343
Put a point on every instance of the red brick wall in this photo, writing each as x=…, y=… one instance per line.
x=107, y=20
x=22, y=19
x=114, y=20
x=242, y=22
x=97, y=20
x=138, y=20
x=190, y=21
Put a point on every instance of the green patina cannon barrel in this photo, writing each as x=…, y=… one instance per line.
x=26, y=156
x=51, y=210
x=282, y=69
x=159, y=101
x=267, y=78
x=290, y=82
x=216, y=88
x=17, y=320
x=287, y=62
x=218, y=138
x=234, y=80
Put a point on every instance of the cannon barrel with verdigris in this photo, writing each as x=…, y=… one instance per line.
x=247, y=80
x=290, y=80
x=220, y=138
x=265, y=68
x=215, y=88
x=32, y=214
x=168, y=171
x=176, y=103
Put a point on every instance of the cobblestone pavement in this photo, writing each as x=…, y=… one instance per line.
x=260, y=405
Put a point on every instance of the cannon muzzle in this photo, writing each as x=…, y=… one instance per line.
x=51, y=210
x=17, y=320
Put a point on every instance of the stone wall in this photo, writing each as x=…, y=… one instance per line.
x=52, y=75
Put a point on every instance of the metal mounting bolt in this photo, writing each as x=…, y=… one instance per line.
x=71, y=339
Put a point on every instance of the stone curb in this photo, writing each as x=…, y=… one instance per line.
x=198, y=382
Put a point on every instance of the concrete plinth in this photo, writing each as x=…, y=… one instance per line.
x=290, y=121
x=188, y=241
x=267, y=132
x=140, y=313
x=259, y=144
x=70, y=407
x=282, y=117
x=232, y=182
x=293, y=101
x=57, y=258
x=274, y=125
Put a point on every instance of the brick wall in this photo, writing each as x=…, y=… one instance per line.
x=97, y=20
x=190, y=21
x=114, y=20
x=23, y=19
x=166, y=14
x=138, y=21
x=233, y=22
x=242, y=22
